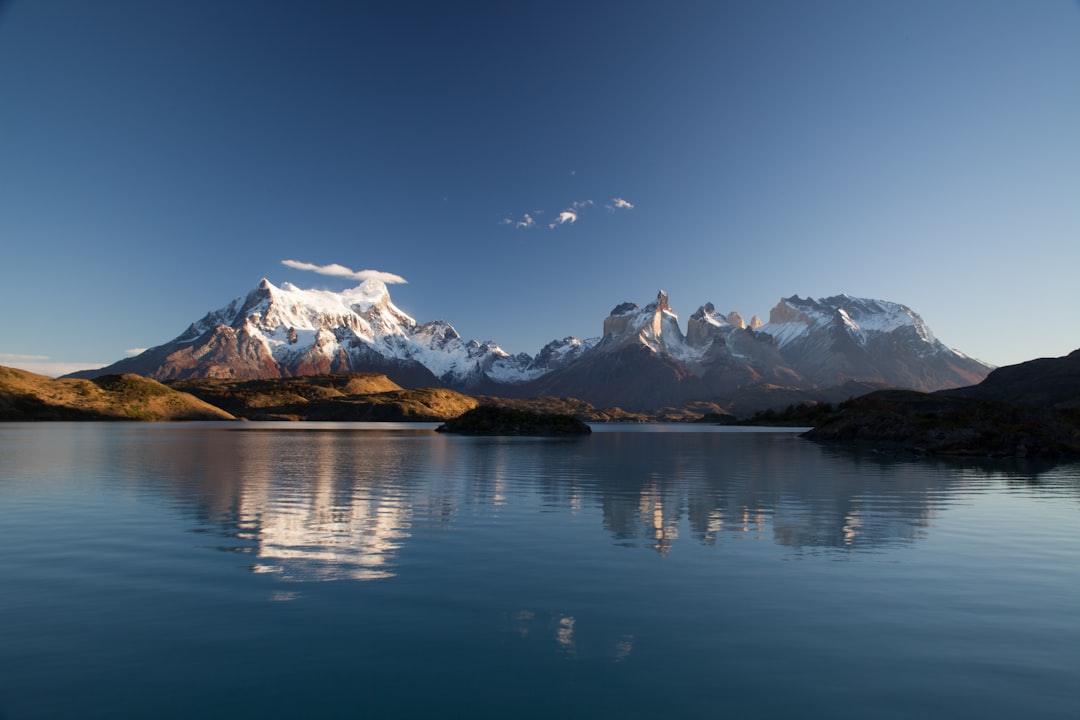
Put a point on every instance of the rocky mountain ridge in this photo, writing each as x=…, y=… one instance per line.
x=642, y=360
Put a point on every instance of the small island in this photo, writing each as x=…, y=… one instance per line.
x=491, y=420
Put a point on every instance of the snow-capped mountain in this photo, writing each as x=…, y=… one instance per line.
x=643, y=359
x=288, y=331
x=842, y=338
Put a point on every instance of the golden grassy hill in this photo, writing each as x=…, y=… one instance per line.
x=356, y=396
x=29, y=396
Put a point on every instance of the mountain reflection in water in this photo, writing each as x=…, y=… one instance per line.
x=311, y=505
x=178, y=571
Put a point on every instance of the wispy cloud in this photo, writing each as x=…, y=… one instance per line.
x=566, y=216
x=527, y=221
x=41, y=364
x=135, y=351
x=15, y=357
x=336, y=270
x=618, y=204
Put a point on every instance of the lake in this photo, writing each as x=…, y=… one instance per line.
x=265, y=570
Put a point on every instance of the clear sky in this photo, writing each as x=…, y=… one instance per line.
x=157, y=159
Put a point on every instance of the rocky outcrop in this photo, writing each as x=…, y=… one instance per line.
x=734, y=318
x=490, y=420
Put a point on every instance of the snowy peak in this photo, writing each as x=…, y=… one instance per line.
x=662, y=302
x=563, y=351
x=656, y=326
x=294, y=331
x=842, y=338
x=642, y=358
x=707, y=314
x=860, y=318
x=705, y=325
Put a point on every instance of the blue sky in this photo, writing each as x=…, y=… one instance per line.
x=158, y=158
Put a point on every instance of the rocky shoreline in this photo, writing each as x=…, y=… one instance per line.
x=921, y=424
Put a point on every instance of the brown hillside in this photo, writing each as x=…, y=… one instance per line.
x=29, y=396
x=354, y=396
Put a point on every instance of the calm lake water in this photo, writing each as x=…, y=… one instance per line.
x=314, y=570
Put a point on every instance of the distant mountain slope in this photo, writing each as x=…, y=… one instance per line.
x=28, y=396
x=642, y=361
x=1027, y=410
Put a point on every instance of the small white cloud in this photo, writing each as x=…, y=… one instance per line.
x=15, y=357
x=341, y=271
x=578, y=204
x=620, y=204
x=526, y=222
x=566, y=216
x=135, y=351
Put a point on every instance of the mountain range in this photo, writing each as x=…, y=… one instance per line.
x=642, y=360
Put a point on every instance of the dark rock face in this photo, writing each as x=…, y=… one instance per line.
x=491, y=420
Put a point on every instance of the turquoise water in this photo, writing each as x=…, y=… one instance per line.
x=314, y=570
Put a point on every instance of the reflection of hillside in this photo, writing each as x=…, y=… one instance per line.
x=323, y=505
